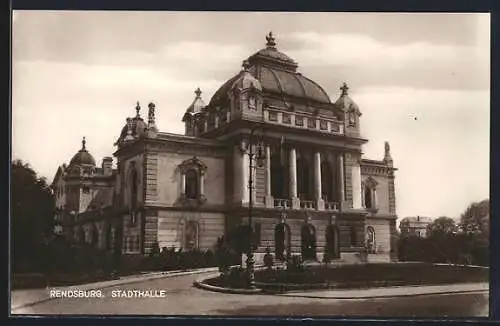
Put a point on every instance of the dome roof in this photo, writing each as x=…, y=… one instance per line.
x=344, y=102
x=197, y=104
x=82, y=157
x=276, y=73
x=138, y=127
x=245, y=79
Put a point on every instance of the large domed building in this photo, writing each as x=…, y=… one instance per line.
x=271, y=148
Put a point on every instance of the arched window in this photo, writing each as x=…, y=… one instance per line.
x=308, y=242
x=352, y=118
x=282, y=241
x=332, y=249
x=369, y=193
x=192, y=187
x=370, y=239
x=192, y=173
x=368, y=197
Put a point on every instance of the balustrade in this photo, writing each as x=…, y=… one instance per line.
x=300, y=121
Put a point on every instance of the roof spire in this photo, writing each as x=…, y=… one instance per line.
x=344, y=88
x=270, y=40
x=83, y=144
x=137, y=109
x=198, y=92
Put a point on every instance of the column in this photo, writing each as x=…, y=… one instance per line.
x=356, y=186
x=202, y=184
x=183, y=183
x=340, y=161
x=269, y=200
x=293, y=179
x=320, y=205
x=374, y=198
x=245, y=176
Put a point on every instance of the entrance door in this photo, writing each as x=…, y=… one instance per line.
x=282, y=241
x=308, y=242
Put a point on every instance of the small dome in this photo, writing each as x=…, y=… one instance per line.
x=138, y=127
x=197, y=104
x=246, y=80
x=345, y=103
x=83, y=157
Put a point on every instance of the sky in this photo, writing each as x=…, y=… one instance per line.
x=421, y=82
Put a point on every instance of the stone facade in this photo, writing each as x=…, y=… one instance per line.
x=269, y=146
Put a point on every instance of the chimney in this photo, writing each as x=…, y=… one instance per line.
x=107, y=165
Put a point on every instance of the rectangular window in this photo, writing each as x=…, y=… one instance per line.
x=335, y=127
x=323, y=125
x=299, y=121
x=287, y=118
x=311, y=123
x=273, y=116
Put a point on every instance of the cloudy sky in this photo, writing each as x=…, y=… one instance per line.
x=80, y=74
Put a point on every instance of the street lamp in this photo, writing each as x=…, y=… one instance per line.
x=259, y=156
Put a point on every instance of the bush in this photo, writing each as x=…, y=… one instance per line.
x=295, y=264
x=444, y=248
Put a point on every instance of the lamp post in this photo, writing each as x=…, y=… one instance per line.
x=259, y=157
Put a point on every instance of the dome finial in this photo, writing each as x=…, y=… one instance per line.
x=270, y=40
x=83, y=144
x=137, y=109
x=344, y=88
x=198, y=92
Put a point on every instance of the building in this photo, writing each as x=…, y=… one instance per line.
x=415, y=226
x=269, y=124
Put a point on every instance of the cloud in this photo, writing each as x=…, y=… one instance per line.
x=369, y=61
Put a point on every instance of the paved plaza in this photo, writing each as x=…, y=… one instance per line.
x=463, y=300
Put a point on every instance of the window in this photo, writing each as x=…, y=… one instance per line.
x=200, y=126
x=369, y=193
x=192, y=187
x=251, y=102
x=192, y=173
x=352, y=118
x=368, y=197
x=85, y=189
x=286, y=118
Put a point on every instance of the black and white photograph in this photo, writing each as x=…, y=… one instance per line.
x=258, y=164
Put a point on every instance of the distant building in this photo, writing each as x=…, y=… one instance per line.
x=415, y=226
x=313, y=187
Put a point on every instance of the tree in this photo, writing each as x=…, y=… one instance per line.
x=32, y=215
x=441, y=226
x=477, y=217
